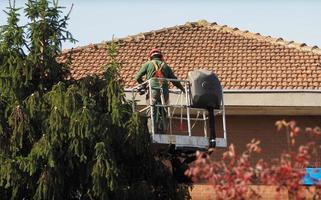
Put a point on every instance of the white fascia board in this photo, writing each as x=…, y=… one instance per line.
x=268, y=102
x=280, y=99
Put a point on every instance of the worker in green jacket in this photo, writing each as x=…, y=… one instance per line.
x=156, y=67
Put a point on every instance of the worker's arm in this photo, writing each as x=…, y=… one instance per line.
x=175, y=83
x=141, y=73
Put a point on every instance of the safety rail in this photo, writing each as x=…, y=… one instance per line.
x=183, y=102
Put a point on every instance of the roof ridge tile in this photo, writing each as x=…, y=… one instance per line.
x=299, y=46
x=214, y=25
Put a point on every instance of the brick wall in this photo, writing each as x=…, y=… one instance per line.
x=206, y=192
x=242, y=129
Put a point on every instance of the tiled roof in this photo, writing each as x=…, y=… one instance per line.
x=241, y=59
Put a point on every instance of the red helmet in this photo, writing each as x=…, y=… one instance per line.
x=155, y=51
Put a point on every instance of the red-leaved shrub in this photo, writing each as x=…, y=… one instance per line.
x=233, y=176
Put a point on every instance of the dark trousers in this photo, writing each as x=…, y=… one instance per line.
x=158, y=97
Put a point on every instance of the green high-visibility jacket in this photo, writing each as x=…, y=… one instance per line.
x=149, y=70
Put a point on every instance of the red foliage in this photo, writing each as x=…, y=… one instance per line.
x=232, y=176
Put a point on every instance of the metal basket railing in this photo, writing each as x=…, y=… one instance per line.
x=183, y=102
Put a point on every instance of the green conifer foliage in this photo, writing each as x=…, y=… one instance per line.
x=68, y=139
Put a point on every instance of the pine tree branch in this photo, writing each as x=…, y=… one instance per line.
x=9, y=1
x=72, y=5
x=12, y=5
x=63, y=24
x=26, y=45
x=55, y=2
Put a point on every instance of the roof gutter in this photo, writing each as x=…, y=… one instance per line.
x=256, y=90
x=271, y=91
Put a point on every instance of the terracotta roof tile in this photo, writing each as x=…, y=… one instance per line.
x=241, y=59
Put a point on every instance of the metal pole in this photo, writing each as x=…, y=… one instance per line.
x=170, y=125
x=187, y=110
x=133, y=101
x=223, y=115
x=205, y=124
x=212, y=139
x=169, y=115
x=151, y=108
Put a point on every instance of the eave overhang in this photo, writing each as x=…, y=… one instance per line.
x=263, y=102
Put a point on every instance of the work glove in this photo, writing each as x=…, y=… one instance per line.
x=182, y=89
x=141, y=89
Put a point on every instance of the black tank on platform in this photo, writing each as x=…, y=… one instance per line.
x=206, y=90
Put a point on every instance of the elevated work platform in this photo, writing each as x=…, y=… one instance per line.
x=181, y=118
x=187, y=141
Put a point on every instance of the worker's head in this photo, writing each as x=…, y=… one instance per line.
x=155, y=53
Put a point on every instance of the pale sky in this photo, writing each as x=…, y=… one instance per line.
x=98, y=20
